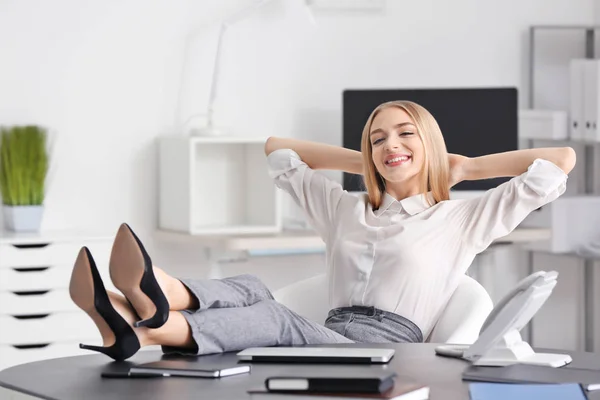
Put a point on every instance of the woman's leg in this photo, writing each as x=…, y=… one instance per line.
x=216, y=330
x=201, y=294
x=265, y=323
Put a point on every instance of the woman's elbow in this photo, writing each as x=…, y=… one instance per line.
x=567, y=160
x=270, y=145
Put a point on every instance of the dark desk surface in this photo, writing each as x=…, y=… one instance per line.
x=79, y=377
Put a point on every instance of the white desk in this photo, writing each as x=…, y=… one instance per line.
x=290, y=242
x=303, y=241
x=308, y=240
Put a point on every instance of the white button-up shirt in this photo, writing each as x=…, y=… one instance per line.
x=407, y=257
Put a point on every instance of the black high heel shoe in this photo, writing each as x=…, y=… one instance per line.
x=88, y=292
x=132, y=273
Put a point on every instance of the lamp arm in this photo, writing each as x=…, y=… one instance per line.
x=218, y=57
x=215, y=76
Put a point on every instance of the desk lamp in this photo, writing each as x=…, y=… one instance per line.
x=209, y=129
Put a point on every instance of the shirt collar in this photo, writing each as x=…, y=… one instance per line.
x=412, y=205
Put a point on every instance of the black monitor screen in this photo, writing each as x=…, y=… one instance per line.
x=474, y=122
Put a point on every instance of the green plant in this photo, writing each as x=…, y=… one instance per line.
x=23, y=165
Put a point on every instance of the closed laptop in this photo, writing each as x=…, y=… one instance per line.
x=316, y=355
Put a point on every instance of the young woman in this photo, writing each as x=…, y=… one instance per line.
x=394, y=255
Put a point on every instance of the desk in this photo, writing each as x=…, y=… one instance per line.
x=308, y=239
x=297, y=241
x=217, y=247
x=79, y=377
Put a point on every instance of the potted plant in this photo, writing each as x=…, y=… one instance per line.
x=23, y=170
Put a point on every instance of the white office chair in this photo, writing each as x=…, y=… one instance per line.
x=459, y=323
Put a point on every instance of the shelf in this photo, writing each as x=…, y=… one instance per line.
x=558, y=27
x=216, y=185
x=225, y=139
x=233, y=230
x=521, y=235
x=346, y=5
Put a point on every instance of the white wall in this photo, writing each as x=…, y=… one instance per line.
x=109, y=77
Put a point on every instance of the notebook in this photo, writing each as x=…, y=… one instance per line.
x=514, y=391
x=188, y=368
x=400, y=391
x=520, y=373
x=364, y=382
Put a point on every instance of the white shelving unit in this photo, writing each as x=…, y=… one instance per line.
x=555, y=85
x=216, y=186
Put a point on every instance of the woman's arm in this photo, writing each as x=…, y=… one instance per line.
x=319, y=155
x=510, y=163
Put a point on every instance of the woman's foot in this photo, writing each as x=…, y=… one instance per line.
x=132, y=273
x=113, y=321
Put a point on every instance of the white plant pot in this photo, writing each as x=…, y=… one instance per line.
x=23, y=218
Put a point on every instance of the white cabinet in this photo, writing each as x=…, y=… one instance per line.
x=216, y=185
x=38, y=319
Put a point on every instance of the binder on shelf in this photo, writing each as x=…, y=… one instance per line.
x=577, y=80
x=590, y=108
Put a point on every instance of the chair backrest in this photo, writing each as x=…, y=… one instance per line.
x=459, y=323
x=464, y=314
x=309, y=298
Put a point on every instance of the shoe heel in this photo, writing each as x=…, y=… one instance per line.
x=155, y=322
x=99, y=349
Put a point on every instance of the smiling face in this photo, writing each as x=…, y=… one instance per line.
x=397, y=149
x=404, y=154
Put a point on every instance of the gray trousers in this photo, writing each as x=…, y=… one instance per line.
x=239, y=312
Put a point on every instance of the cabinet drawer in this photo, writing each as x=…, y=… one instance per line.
x=36, y=303
x=48, y=254
x=13, y=355
x=41, y=278
x=58, y=327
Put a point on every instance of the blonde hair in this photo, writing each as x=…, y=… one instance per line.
x=435, y=171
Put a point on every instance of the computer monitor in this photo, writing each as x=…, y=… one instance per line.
x=474, y=122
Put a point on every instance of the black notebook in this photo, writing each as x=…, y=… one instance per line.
x=188, y=369
x=521, y=373
x=400, y=391
x=363, y=382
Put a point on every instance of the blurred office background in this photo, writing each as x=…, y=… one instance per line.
x=112, y=79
